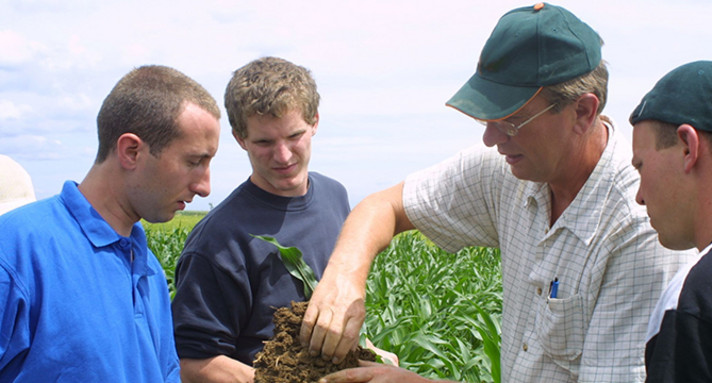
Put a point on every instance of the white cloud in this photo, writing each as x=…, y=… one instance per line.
x=16, y=49
x=77, y=102
x=11, y=111
x=40, y=146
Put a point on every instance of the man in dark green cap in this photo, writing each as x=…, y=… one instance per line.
x=581, y=266
x=672, y=150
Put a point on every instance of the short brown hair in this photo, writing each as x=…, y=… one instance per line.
x=147, y=102
x=666, y=134
x=270, y=86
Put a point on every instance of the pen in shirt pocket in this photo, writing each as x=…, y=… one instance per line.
x=554, y=288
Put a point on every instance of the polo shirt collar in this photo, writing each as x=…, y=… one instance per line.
x=98, y=231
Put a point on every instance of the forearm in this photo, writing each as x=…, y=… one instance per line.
x=337, y=308
x=219, y=369
x=367, y=231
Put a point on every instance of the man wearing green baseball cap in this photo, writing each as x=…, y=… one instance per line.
x=672, y=150
x=555, y=192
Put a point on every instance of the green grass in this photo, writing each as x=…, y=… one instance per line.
x=439, y=312
x=182, y=219
x=166, y=240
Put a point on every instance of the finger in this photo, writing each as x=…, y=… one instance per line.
x=310, y=317
x=319, y=332
x=347, y=340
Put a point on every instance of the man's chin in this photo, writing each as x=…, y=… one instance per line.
x=160, y=217
x=522, y=174
x=674, y=242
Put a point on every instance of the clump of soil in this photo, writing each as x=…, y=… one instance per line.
x=284, y=360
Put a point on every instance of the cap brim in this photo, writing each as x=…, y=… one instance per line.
x=487, y=100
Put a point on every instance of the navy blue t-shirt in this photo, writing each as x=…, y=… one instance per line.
x=681, y=351
x=228, y=283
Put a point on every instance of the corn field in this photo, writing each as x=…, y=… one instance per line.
x=439, y=312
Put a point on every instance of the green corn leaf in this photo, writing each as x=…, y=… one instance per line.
x=491, y=342
x=293, y=261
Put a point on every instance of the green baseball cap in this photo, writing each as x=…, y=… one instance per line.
x=530, y=47
x=683, y=96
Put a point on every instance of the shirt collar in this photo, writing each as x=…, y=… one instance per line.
x=706, y=249
x=584, y=213
x=98, y=231
x=279, y=202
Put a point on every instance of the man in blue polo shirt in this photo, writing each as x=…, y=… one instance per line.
x=82, y=299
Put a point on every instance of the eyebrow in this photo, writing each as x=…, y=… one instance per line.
x=201, y=155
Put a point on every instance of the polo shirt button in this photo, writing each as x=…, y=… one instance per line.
x=124, y=243
x=525, y=347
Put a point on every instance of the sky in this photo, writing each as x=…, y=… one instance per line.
x=384, y=70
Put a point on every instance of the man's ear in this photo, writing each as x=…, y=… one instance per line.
x=691, y=145
x=240, y=141
x=128, y=148
x=586, y=111
x=316, y=123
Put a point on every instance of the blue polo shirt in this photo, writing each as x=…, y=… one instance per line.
x=79, y=302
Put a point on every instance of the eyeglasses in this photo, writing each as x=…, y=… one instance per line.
x=510, y=129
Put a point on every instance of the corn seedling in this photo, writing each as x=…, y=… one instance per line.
x=294, y=262
x=167, y=244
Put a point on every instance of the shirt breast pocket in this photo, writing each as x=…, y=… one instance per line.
x=560, y=327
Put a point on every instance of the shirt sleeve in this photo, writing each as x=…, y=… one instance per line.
x=204, y=326
x=454, y=203
x=14, y=322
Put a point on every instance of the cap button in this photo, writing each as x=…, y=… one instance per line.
x=538, y=6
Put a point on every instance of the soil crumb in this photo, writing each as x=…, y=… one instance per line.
x=283, y=360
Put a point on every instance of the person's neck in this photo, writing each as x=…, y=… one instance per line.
x=583, y=161
x=702, y=208
x=104, y=194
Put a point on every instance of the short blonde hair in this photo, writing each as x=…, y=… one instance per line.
x=270, y=86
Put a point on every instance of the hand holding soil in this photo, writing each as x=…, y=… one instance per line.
x=284, y=360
